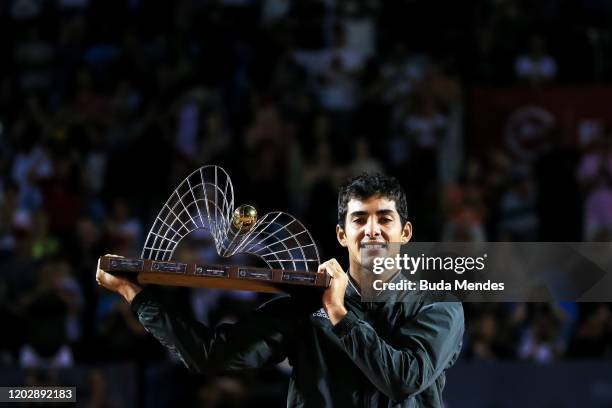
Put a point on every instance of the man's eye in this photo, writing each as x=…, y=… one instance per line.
x=386, y=220
x=358, y=221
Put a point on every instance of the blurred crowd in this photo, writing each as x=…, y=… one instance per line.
x=105, y=105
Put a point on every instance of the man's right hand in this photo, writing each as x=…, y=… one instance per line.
x=117, y=284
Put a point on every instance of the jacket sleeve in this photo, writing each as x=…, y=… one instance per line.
x=422, y=348
x=253, y=342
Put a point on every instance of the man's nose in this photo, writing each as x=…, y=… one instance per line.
x=372, y=229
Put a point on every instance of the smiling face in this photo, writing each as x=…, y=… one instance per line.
x=371, y=221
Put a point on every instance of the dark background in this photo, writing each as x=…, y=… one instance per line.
x=494, y=114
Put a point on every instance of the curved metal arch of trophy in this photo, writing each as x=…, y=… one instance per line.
x=205, y=200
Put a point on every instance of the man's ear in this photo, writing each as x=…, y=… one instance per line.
x=406, y=232
x=341, y=235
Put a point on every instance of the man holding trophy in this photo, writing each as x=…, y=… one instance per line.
x=346, y=353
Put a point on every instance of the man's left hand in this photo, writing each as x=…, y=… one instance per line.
x=333, y=297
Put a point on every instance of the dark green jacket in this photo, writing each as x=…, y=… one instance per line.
x=379, y=355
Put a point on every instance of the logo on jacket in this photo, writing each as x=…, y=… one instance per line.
x=320, y=313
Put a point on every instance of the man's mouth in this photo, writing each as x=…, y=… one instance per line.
x=373, y=245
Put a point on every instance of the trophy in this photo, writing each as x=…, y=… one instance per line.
x=205, y=200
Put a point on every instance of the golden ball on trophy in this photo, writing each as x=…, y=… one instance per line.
x=244, y=218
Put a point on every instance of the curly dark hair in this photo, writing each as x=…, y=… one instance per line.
x=367, y=185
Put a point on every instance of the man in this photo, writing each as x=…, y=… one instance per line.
x=349, y=353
